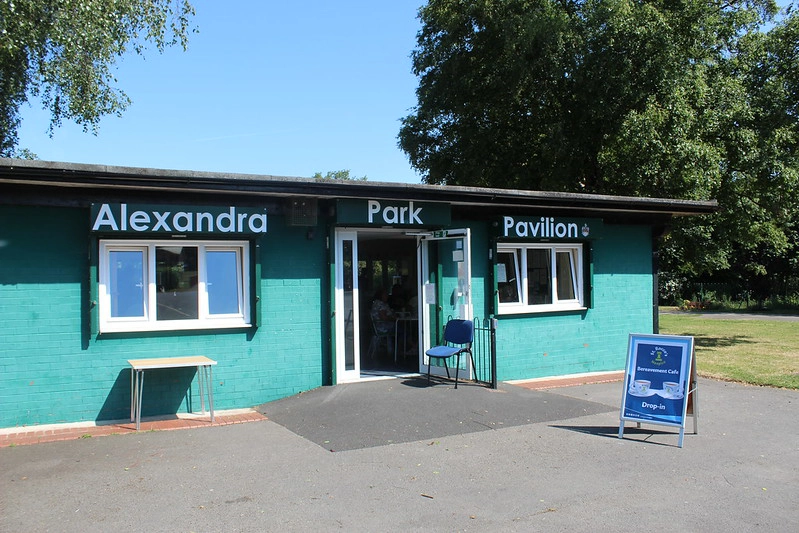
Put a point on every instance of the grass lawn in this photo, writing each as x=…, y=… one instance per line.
x=760, y=352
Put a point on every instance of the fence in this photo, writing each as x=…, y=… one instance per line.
x=785, y=290
x=484, y=351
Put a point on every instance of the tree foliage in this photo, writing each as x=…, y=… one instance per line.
x=690, y=99
x=752, y=240
x=63, y=52
x=337, y=175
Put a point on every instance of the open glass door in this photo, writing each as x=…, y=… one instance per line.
x=348, y=357
x=445, y=285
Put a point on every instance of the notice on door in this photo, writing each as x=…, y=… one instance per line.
x=430, y=293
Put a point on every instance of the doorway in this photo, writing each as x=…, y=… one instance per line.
x=422, y=278
x=376, y=270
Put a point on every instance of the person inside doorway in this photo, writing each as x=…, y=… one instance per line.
x=384, y=325
x=383, y=316
x=397, y=298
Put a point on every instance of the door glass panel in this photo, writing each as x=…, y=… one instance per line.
x=223, y=282
x=176, y=279
x=451, y=262
x=127, y=283
x=447, y=289
x=349, y=308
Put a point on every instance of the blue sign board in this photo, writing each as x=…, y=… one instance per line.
x=658, y=380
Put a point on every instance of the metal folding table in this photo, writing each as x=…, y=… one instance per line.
x=138, y=366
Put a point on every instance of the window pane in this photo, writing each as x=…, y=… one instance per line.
x=507, y=277
x=126, y=283
x=223, y=282
x=565, y=275
x=349, y=305
x=176, y=280
x=539, y=277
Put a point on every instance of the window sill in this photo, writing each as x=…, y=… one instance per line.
x=172, y=325
x=538, y=309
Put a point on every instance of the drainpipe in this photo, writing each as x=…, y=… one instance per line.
x=655, y=295
x=657, y=233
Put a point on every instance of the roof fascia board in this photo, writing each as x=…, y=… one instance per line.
x=74, y=175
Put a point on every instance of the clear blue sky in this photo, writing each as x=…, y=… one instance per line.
x=286, y=88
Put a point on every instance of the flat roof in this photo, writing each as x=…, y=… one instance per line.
x=77, y=176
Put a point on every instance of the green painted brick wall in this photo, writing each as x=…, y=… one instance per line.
x=543, y=345
x=52, y=370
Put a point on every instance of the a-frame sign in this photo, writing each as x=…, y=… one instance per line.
x=660, y=382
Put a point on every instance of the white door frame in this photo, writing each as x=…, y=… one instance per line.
x=341, y=310
x=346, y=313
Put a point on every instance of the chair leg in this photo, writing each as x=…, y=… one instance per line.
x=429, y=365
x=457, y=369
x=474, y=367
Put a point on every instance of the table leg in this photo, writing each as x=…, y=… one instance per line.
x=200, y=379
x=396, y=332
x=132, y=396
x=140, y=388
x=211, y=393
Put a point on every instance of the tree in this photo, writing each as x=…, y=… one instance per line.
x=754, y=235
x=690, y=99
x=559, y=94
x=63, y=51
x=337, y=175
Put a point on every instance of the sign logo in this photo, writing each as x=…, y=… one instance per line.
x=658, y=354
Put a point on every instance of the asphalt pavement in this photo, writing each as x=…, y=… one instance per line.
x=396, y=455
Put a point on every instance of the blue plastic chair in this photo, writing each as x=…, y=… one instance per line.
x=459, y=333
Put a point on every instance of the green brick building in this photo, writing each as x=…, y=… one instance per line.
x=274, y=278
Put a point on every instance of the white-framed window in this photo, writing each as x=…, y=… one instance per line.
x=164, y=285
x=539, y=277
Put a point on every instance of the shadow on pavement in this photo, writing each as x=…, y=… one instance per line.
x=643, y=434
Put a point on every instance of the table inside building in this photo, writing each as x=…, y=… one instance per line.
x=405, y=332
